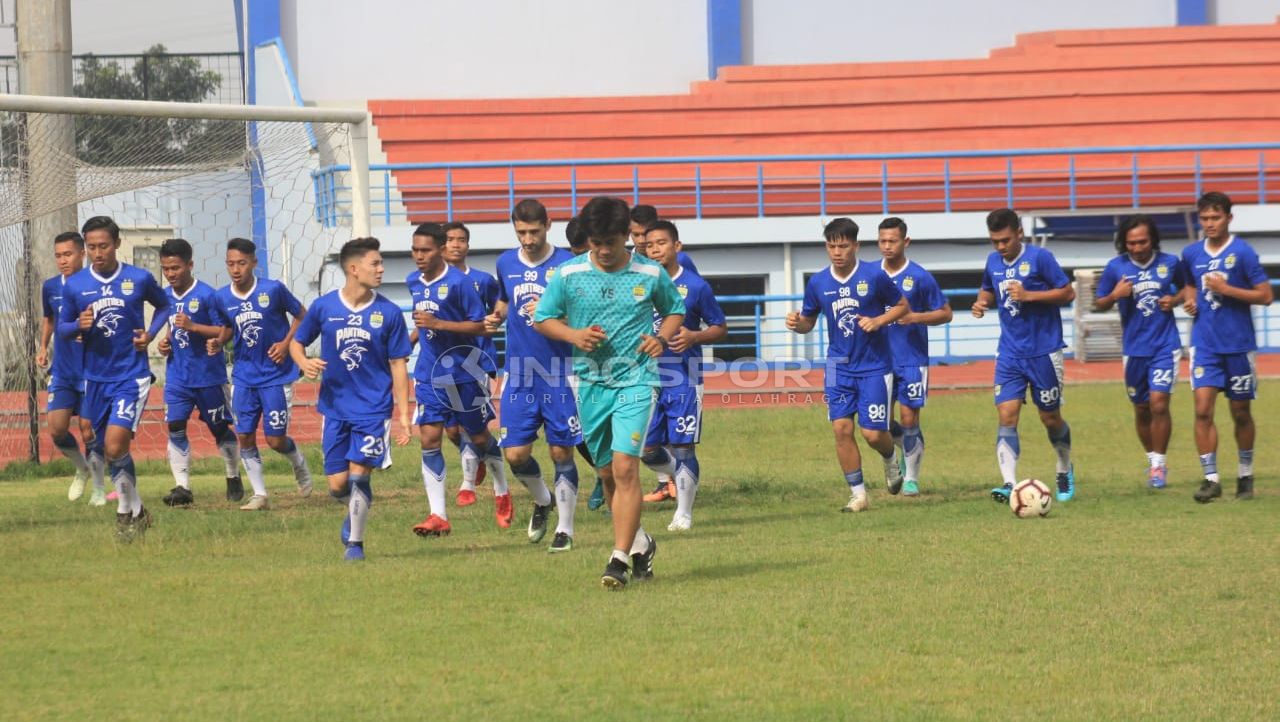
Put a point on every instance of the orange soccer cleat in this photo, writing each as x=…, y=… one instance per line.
x=433, y=525
x=502, y=510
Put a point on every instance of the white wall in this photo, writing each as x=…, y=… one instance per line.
x=1233, y=12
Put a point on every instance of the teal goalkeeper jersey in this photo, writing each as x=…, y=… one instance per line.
x=623, y=303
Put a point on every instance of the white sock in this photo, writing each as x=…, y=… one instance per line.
x=661, y=462
x=914, y=456
x=180, y=458
x=252, y=459
x=229, y=449
x=858, y=492
x=566, y=497
x=1158, y=461
x=433, y=474
x=70, y=448
x=125, y=479
x=1245, y=462
x=640, y=544
x=687, y=470
x=294, y=455
x=531, y=476
x=497, y=468
x=358, y=506
x=98, y=470
x=1007, y=451
x=470, y=461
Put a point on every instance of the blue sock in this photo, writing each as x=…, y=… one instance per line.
x=854, y=478
x=1209, y=465
x=567, y=472
x=433, y=460
x=1061, y=441
x=687, y=458
x=529, y=468
x=897, y=431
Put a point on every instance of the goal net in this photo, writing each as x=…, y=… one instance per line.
x=203, y=172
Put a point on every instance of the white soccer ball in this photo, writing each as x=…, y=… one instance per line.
x=1030, y=498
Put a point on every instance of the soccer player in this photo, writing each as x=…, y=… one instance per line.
x=1031, y=289
x=255, y=312
x=909, y=339
x=535, y=388
x=65, y=379
x=364, y=346
x=449, y=381
x=859, y=301
x=104, y=304
x=677, y=419
x=1146, y=284
x=1224, y=278
x=195, y=380
x=603, y=303
x=578, y=245
x=457, y=244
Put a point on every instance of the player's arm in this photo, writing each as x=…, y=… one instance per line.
x=584, y=339
x=424, y=319
x=800, y=323
x=496, y=317
x=400, y=391
x=310, y=367
x=986, y=299
x=1259, y=295
x=46, y=334
x=1111, y=289
x=1055, y=296
x=160, y=302
x=871, y=324
x=667, y=328
x=184, y=322
x=936, y=317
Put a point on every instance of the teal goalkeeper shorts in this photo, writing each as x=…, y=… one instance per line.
x=613, y=419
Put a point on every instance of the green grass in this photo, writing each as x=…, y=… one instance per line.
x=1123, y=604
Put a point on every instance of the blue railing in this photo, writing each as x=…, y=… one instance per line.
x=726, y=186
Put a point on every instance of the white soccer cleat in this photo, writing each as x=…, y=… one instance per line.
x=305, y=485
x=680, y=523
x=858, y=503
x=893, y=473
x=256, y=502
x=99, y=498
x=77, y=486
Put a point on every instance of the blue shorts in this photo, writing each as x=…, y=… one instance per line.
x=539, y=402
x=272, y=404
x=1234, y=373
x=1042, y=373
x=65, y=394
x=867, y=397
x=678, y=417
x=911, y=385
x=1145, y=374
x=114, y=403
x=463, y=404
x=361, y=441
x=213, y=403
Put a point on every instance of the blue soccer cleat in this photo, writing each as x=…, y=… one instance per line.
x=1000, y=494
x=355, y=552
x=1067, y=484
x=1158, y=477
x=346, y=529
x=597, y=496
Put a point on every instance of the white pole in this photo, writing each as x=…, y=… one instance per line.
x=209, y=111
x=360, y=177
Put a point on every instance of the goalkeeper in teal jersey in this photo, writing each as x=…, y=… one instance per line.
x=603, y=303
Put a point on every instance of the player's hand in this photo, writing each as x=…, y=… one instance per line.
x=182, y=321
x=869, y=324
x=312, y=367
x=682, y=340
x=1016, y=291
x=424, y=319
x=492, y=322
x=86, y=319
x=1190, y=305
x=1123, y=289
x=793, y=321
x=213, y=346
x=588, y=339
x=531, y=307
x=141, y=339
x=403, y=433
x=164, y=347
x=42, y=358
x=1167, y=302
x=1215, y=281
x=651, y=346
x=979, y=308
x=276, y=351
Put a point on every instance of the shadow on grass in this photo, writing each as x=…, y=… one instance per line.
x=717, y=572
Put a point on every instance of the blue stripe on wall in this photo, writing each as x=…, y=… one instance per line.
x=724, y=35
x=1193, y=12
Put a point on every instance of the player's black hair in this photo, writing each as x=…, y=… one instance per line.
x=243, y=245
x=841, y=228
x=605, y=217
x=895, y=223
x=644, y=215
x=530, y=210
x=1214, y=199
x=667, y=226
x=574, y=234
x=101, y=223
x=1133, y=222
x=434, y=231
x=176, y=247
x=69, y=236
x=457, y=226
x=1003, y=218
x=357, y=248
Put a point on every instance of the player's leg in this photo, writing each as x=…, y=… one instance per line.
x=633, y=410
x=1046, y=392
x=468, y=461
x=179, y=401
x=655, y=447
x=1010, y=392
x=214, y=403
x=1208, y=377
x=94, y=412
x=367, y=448
x=93, y=454
x=278, y=411
x=683, y=433
x=873, y=394
x=126, y=402
x=430, y=437
x=247, y=406
x=1241, y=384
x=63, y=400
x=564, y=432
x=335, y=439
x=911, y=389
x=842, y=404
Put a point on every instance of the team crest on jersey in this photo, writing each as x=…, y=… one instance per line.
x=126, y=287
x=1024, y=268
x=264, y=300
x=684, y=291
x=194, y=305
x=908, y=283
x=375, y=319
x=1230, y=263
x=1162, y=271
x=442, y=292
x=638, y=293
x=1199, y=372
x=862, y=288
x=550, y=272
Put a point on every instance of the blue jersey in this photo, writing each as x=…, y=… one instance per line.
x=1223, y=325
x=910, y=342
x=1148, y=331
x=118, y=303
x=685, y=261
x=190, y=364
x=1026, y=329
x=357, y=346
x=259, y=319
x=68, y=353
x=487, y=287
x=521, y=284
x=867, y=291
x=700, y=306
x=450, y=296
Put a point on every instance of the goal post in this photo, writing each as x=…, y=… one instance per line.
x=200, y=171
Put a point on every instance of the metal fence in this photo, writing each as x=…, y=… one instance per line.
x=145, y=71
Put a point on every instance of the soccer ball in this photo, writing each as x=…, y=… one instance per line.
x=1030, y=498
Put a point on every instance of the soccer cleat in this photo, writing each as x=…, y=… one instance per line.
x=642, y=563
x=1208, y=491
x=235, y=489
x=1067, y=484
x=99, y=498
x=1000, y=494
x=305, y=485
x=680, y=522
x=345, y=534
x=257, y=502
x=433, y=525
x=355, y=552
x=140, y=523
x=665, y=490
x=1244, y=488
x=910, y=488
x=893, y=474
x=113, y=496
x=76, y=489
x=615, y=575
x=1158, y=477
x=179, y=496
x=502, y=510
x=538, y=523
x=857, y=503
x=466, y=497
x=561, y=542
x=124, y=528
x=597, y=496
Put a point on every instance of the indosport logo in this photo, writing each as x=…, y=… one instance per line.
x=459, y=378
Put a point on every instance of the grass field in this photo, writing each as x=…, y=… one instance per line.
x=1123, y=604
